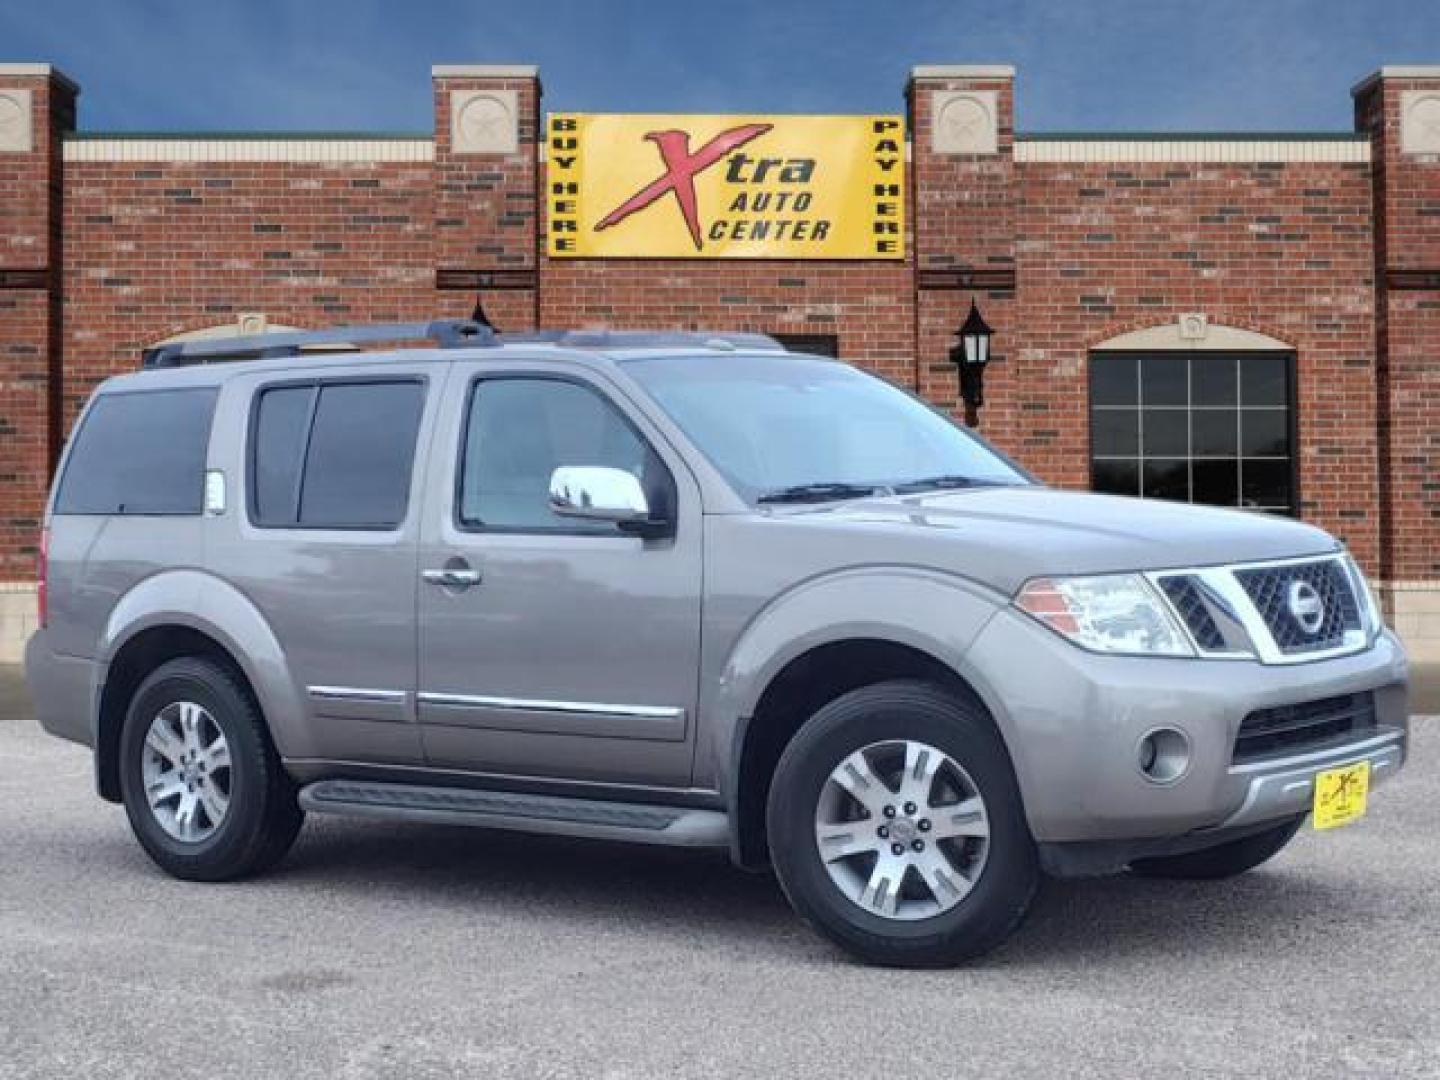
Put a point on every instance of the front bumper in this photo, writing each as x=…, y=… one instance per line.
x=1073, y=722
x=1286, y=786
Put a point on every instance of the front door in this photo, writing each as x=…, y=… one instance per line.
x=550, y=647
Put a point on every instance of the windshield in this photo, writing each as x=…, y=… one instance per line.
x=787, y=428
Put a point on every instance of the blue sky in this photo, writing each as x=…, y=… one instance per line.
x=364, y=64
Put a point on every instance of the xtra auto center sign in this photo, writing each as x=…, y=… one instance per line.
x=730, y=187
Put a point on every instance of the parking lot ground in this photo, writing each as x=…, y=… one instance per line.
x=388, y=951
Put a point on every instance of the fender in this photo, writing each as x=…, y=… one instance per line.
x=928, y=610
x=203, y=602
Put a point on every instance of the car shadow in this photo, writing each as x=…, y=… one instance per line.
x=700, y=898
x=1129, y=918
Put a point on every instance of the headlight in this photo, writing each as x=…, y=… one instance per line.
x=1112, y=613
x=1369, y=609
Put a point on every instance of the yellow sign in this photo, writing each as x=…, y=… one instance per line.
x=1340, y=795
x=727, y=187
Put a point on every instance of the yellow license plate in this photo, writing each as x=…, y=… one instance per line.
x=1340, y=795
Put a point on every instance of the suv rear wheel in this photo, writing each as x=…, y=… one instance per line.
x=896, y=827
x=202, y=786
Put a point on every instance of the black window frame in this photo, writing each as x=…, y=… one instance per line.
x=597, y=530
x=826, y=346
x=318, y=383
x=1292, y=424
x=214, y=394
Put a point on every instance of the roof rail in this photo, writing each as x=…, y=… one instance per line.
x=447, y=333
x=645, y=339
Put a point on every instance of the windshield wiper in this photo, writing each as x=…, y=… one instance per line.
x=946, y=481
x=820, y=492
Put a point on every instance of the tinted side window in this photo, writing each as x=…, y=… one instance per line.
x=519, y=431
x=282, y=424
x=140, y=453
x=336, y=455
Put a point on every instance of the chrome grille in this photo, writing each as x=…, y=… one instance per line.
x=1269, y=589
x=1184, y=595
x=1287, y=729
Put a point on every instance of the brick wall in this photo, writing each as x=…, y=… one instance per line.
x=868, y=306
x=160, y=248
x=1407, y=258
x=486, y=205
x=1282, y=249
x=31, y=189
x=964, y=206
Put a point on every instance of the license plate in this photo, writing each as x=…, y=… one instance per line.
x=1340, y=795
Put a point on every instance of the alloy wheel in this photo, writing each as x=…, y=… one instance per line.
x=902, y=830
x=186, y=771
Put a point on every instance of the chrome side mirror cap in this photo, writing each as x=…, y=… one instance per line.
x=598, y=493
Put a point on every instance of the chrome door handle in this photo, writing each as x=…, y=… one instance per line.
x=452, y=577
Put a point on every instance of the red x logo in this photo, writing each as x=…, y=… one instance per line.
x=681, y=168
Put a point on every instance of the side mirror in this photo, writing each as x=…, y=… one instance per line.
x=598, y=493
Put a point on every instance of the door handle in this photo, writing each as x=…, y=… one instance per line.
x=452, y=577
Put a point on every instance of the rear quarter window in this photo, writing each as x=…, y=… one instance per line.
x=139, y=452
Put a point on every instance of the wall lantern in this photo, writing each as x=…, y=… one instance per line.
x=479, y=316
x=971, y=355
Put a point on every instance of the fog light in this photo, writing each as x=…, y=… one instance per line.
x=1164, y=755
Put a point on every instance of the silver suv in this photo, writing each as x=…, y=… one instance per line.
x=688, y=590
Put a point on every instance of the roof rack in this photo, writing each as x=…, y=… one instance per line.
x=447, y=333
x=645, y=339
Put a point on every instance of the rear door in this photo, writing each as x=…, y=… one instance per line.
x=324, y=544
x=567, y=649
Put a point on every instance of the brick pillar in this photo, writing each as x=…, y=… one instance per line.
x=37, y=106
x=1400, y=108
x=963, y=209
x=486, y=236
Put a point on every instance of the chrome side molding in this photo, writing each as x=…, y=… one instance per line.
x=572, y=708
x=651, y=723
x=361, y=703
x=355, y=693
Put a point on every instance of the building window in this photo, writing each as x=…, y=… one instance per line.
x=816, y=344
x=1201, y=427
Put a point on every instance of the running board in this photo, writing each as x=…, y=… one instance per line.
x=635, y=822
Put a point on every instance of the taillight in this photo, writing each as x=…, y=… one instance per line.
x=42, y=577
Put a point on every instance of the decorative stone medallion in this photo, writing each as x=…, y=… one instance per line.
x=1194, y=326
x=965, y=122
x=1420, y=121
x=15, y=127
x=252, y=322
x=484, y=122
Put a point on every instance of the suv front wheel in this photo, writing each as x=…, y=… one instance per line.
x=202, y=785
x=896, y=827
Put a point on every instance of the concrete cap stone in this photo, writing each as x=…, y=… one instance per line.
x=39, y=71
x=485, y=71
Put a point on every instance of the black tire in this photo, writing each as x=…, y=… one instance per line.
x=903, y=709
x=263, y=816
x=1223, y=861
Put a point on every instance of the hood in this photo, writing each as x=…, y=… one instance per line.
x=1004, y=536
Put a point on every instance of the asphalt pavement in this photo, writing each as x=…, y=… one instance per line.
x=412, y=952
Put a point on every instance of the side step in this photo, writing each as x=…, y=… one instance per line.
x=636, y=822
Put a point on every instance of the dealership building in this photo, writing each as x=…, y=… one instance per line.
x=1241, y=319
